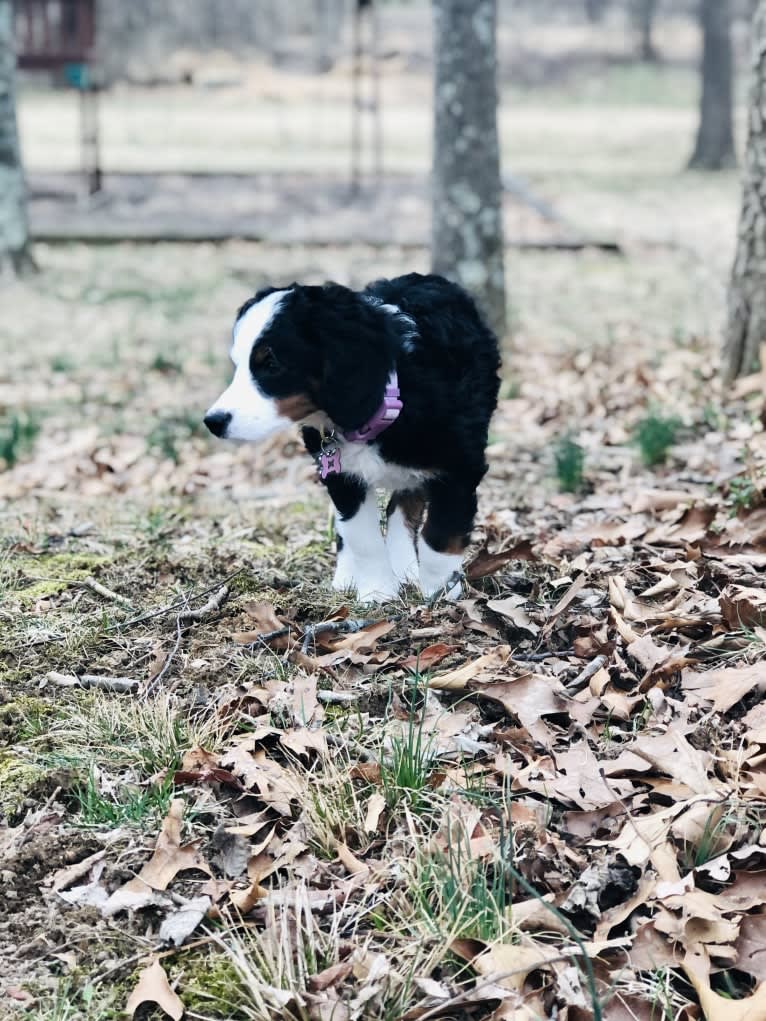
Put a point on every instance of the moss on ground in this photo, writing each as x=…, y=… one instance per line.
x=18, y=779
x=49, y=574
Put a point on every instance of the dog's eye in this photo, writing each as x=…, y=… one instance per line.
x=263, y=358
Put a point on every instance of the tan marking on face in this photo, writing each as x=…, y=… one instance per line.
x=295, y=407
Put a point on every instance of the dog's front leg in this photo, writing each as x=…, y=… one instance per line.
x=363, y=562
x=446, y=533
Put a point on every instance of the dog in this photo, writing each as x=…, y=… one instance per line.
x=394, y=387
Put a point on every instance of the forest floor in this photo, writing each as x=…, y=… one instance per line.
x=548, y=798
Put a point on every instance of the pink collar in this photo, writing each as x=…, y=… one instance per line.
x=386, y=415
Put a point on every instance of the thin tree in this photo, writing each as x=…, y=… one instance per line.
x=714, y=149
x=746, y=328
x=467, y=225
x=15, y=254
x=644, y=12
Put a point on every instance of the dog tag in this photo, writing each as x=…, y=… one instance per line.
x=329, y=462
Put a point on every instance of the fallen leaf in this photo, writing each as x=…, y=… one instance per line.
x=375, y=808
x=169, y=858
x=349, y=860
x=512, y=608
x=329, y=977
x=725, y=686
x=266, y=623
x=743, y=607
x=429, y=657
x=751, y=946
x=457, y=680
x=153, y=987
x=180, y=923
x=720, y=1008
x=486, y=563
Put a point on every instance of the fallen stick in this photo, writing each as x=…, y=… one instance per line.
x=215, y=602
x=154, y=682
x=177, y=604
x=337, y=697
x=585, y=674
x=106, y=593
x=337, y=627
x=120, y=684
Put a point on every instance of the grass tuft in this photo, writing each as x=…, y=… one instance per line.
x=18, y=432
x=570, y=462
x=654, y=436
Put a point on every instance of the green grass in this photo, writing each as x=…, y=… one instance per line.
x=18, y=432
x=654, y=435
x=407, y=769
x=570, y=462
x=132, y=806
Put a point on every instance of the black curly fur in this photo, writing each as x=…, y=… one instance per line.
x=338, y=346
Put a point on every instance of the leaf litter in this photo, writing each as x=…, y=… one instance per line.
x=549, y=791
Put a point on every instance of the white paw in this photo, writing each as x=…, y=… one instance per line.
x=406, y=572
x=437, y=571
x=377, y=587
x=343, y=578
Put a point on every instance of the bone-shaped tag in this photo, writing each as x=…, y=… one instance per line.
x=329, y=463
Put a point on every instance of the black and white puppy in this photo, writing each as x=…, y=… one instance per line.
x=394, y=387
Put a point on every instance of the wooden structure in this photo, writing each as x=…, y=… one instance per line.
x=60, y=36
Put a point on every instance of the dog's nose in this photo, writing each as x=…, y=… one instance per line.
x=218, y=422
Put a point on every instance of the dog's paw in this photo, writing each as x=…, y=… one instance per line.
x=440, y=572
x=377, y=588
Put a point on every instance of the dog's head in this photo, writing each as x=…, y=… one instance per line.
x=301, y=350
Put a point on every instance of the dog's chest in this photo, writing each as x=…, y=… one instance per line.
x=364, y=461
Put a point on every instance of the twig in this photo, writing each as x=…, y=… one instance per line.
x=338, y=697
x=120, y=684
x=107, y=593
x=215, y=602
x=155, y=681
x=538, y=657
x=262, y=641
x=177, y=604
x=585, y=674
x=337, y=627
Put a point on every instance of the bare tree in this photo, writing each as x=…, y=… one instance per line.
x=15, y=254
x=644, y=12
x=746, y=329
x=467, y=228
x=714, y=149
x=595, y=9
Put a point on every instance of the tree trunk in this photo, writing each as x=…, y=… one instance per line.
x=714, y=149
x=746, y=329
x=467, y=228
x=15, y=255
x=644, y=14
x=594, y=10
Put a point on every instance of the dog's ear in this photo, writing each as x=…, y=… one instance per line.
x=358, y=347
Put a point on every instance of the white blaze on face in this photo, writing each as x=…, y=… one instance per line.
x=254, y=416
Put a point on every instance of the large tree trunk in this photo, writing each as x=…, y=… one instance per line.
x=15, y=253
x=467, y=228
x=746, y=330
x=714, y=149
